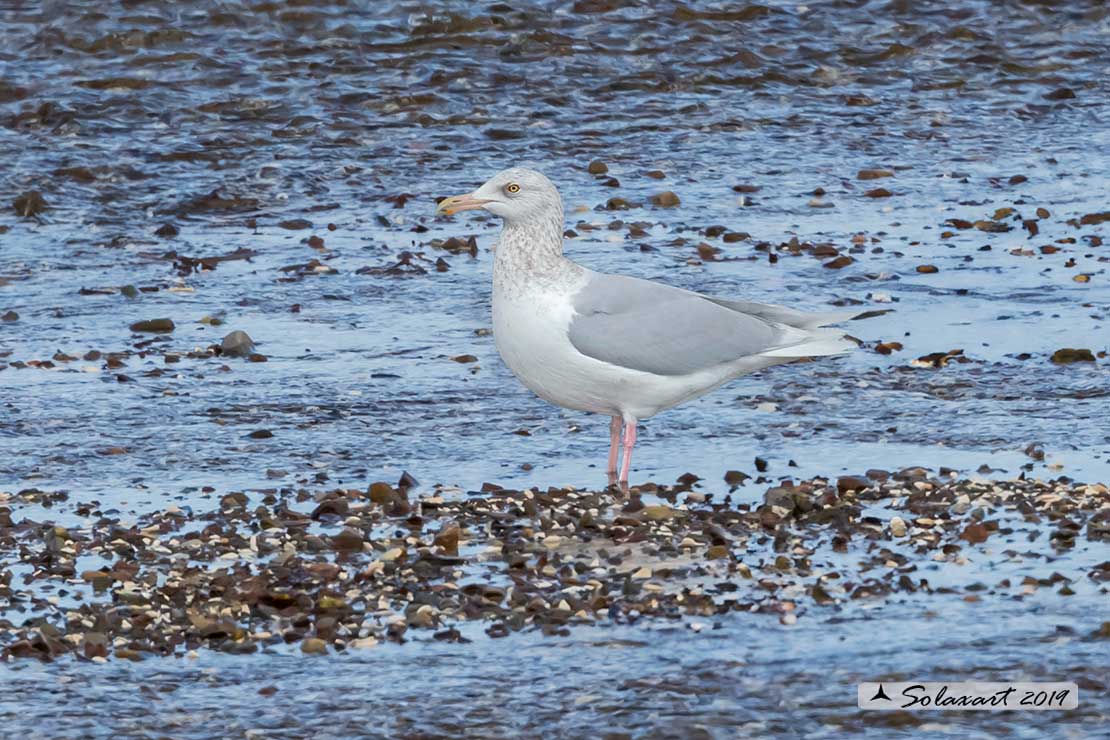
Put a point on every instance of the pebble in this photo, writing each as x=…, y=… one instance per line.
x=846, y=483
x=840, y=262
x=1067, y=356
x=659, y=513
x=237, y=344
x=717, y=552
x=153, y=326
x=335, y=565
x=666, y=199
x=29, y=204
x=395, y=553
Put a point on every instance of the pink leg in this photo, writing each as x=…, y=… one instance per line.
x=614, y=443
x=629, y=441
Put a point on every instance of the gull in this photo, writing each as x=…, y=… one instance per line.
x=613, y=344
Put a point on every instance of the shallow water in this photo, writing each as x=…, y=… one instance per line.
x=651, y=681
x=129, y=116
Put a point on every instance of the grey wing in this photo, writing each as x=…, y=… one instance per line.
x=789, y=316
x=664, y=330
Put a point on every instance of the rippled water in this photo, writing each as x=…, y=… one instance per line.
x=228, y=121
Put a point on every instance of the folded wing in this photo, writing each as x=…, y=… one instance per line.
x=660, y=329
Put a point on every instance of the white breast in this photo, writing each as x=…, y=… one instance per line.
x=530, y=329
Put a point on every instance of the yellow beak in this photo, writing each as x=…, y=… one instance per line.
x=456, y=203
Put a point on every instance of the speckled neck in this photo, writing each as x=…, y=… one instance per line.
x=530, y=255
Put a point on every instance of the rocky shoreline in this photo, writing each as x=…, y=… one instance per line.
x=321, y=571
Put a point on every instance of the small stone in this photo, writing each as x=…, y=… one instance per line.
x=1067, y=356
x=448, y=538
x=348, y=540
x=381, y=493
x=237, y=344
x=330, y=603
x=10, y=316
x=666, y=199
x=928, y=269
x=736, y=477
x=597, y=167
x=975, y=533
x=659, y=513
x=873, y=174
x=314, y=646
x=781, y=498
x=1060, y=93
x=642, y=574
x=717, y=552
x=847, y=483
x=128, y=654
x=157, y=326
x=422, y=617
x=898, y=526
x=29, y=204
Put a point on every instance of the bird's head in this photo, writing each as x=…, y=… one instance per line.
x=517, y=195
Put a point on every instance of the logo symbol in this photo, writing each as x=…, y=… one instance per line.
x=880, y=694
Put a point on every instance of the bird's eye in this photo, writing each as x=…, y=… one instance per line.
x=512, y=187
